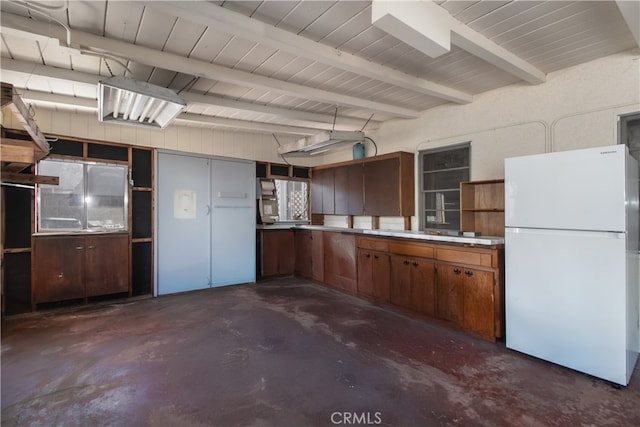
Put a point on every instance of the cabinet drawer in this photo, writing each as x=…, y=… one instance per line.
x=412, y=249
x=375, y=244
x=484, y=259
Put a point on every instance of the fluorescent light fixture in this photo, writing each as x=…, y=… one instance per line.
x=126, y=101
x=321, y=143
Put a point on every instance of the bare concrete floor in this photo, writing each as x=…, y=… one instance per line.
x=281, y=353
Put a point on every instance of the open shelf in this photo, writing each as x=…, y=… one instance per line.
x=482, y=207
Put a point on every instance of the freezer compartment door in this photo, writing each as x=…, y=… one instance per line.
x=574, y=190
x=565, y=299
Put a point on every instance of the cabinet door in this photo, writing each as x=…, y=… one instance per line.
x=58, y=269
x=423, y=286
x=349, y=190
x=400, y=283
x=277, y=252
x=381, y=272
x=340, y=261
x=479, y=302
x=374, y=275
x=106, y=264
x=303, y=257
x=450, y=293
x=382, y=187
x=365, y=273
x=317, y=255
x=322, y=192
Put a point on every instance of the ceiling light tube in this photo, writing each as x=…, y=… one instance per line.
x=127, y=101
x=145, y=110
x=117, y=100
x=129, y=98
x=137, y=106
x=154, y=115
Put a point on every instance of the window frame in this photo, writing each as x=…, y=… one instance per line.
x=423, y=224
x=307, y=198
x=85, y=228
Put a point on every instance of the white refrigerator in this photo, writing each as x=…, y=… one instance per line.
x=571, y=259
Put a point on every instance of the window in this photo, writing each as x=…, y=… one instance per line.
x=90, y=196
x=442, y=170
x=629, y=133
x=293, y=200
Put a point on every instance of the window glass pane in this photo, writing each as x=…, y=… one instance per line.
x=448, y=159
x=445, y=179
x=293, y=200
x=442, y=171
x=89, y=196
x=61, y=206
x=106, y=201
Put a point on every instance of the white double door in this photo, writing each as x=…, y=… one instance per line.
x=205, y=222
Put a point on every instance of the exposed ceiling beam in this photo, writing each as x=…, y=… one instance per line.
x=91, y=104
x=243, y=124
x=230, y=22
x=195, y=67
x=429, y=28
x=630, y=11
x=26, y=69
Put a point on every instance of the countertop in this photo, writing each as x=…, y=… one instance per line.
x=403, y=234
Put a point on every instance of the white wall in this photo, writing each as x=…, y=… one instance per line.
x=576, y=107
x=226, y=143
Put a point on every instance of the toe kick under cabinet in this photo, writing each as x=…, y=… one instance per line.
x=79, y=266
x=457, y=284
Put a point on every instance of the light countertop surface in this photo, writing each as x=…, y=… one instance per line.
x=404, y=234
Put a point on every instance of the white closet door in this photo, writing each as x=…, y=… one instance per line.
x=183, y=223
x=233, y=221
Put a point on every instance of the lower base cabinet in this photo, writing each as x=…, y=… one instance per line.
x=309, y=254
x=72, y=267
x=373, y=275
x=277, y=253
x=340, y=269
x=413, y=284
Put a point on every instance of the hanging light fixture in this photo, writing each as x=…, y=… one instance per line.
x=128, y=101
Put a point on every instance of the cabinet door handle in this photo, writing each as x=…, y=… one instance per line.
x=376, y=256
x=368, y=255
x=79, y=247
x=415, y=263
x=406, y=262
x=457, y=271
x=91, y=247
x=468, y=273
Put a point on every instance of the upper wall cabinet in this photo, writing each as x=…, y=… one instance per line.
x=374, y=186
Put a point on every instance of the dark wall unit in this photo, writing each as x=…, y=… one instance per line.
x=373, y=186
x=39, y=268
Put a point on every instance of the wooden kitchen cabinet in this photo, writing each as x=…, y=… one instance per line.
x=450, y=293
x=482, y=207
x=71, y=267
x=388, y=186
x=374, y=275
x=375, y=186
x=479, y=304
x=106, y=264
x=277, y=253
x=413, y=284
x=58, y=268
x=349, y=189
x=322, y=192
x=340, y=269
x=309, y=254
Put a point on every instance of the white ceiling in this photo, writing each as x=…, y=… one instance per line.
x=285, y=66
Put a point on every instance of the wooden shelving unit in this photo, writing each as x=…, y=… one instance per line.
x=482, y=207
